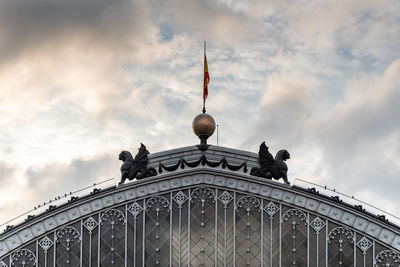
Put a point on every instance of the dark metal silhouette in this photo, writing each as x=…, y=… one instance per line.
x=135, y=168
x=203, y=161
x=270, y=167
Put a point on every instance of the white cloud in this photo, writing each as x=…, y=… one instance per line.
x=83, y=79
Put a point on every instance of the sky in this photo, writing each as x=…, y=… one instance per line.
x=82, y=80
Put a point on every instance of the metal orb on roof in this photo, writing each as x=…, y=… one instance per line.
x=203, y=125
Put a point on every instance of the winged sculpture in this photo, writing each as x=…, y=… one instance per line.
x=271, y=167
x=135, y=167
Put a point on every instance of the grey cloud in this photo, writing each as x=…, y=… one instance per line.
x=57, y=177
x=52, y=180
x=215, y=21
x=286, y=109
x=7, y=173
x=26, y=26
x=367, y=115
x=357, y=141
x=290, y=49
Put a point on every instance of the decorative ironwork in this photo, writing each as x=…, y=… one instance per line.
x=317, y=224
x=343, y=235
x=45, y=243
x=90, y=224
x=294, y=213
x=203, y=193
x=135, y=168
x=203, y=161
x=225, y=198
x=340, y=232
x=271, y=209
x=387, y=258
x=67, y=234
x=364, y=244
x=246, y=238
x=270, y=167
x=135, y=209
x=157, y=203
x=111, y=214
x=23, y=257
x=248, y=203
x=239, y=230
x=114, y=217
x=202, y=199
x=180, y=198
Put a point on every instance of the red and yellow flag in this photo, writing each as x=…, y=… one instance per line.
x=206, y=79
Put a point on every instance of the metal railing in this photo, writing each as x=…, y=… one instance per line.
x=351, y=200
x=324, y=190
x=61, y=199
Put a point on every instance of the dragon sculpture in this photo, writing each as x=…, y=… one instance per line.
x=270, y=167
x=135, y=168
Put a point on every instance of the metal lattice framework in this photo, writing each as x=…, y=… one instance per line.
x=203, y=217
x=218, y=227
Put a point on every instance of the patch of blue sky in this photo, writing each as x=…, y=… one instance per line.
x=355, y=61
x=174, y=104
x=277, y=22
x=345, y=51
x=166, y=32
x=362, y=16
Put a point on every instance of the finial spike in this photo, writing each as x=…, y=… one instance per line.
x=206, y=79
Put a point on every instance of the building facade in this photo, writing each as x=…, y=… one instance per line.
x=203, y=208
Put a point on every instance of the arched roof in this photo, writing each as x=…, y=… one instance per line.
x=234, y=175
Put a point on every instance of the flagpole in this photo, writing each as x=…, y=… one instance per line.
x=204, y=99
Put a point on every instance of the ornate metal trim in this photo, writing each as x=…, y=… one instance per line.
x=204, y=194
x=203, y=161
x=157, y=203
x=23, y=253
x=271, y=209
x=45, y=243
x=317, y=224
x=110, y=213
x=90, y=224
x=389, y=255
x=70, y=231
x=248, y=203
x=341, y=231
x=225, y=198
x=135, y=209
x=294, y=212
x=180, y=198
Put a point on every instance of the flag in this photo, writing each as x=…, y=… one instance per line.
x=206, y=79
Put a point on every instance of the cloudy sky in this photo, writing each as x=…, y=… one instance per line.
x=82, y=80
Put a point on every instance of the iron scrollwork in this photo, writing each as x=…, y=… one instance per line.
x=24, y=257
x=387, y=258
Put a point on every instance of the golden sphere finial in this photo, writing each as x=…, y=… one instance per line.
x=203, y=126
